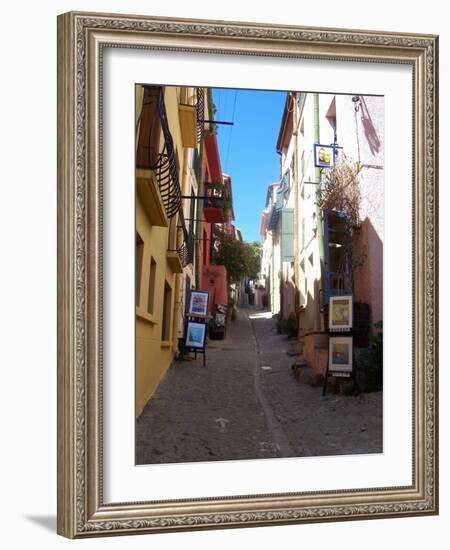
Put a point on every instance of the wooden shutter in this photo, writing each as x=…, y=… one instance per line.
x=287, y=235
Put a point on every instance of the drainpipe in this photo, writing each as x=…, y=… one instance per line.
x=319, y=234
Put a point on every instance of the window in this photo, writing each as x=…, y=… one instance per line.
x=151, y=286
x=167, y=305
x=287, y=235
x=138, y=271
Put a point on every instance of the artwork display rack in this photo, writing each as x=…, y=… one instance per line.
x=198, y=319
x=340, y=332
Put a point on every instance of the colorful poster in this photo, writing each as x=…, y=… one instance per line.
x=198, y=304
x=340, y=354
x=341, y=313
x=195, y=335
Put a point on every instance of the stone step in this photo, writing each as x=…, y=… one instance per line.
x=295, y=348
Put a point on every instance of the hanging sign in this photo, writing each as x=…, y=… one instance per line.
x=324, y=155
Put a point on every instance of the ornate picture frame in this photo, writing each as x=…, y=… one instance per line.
x=82, y=509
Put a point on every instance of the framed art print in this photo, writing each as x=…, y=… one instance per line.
x=254, y=175
x=195, y=335
x=198, y=303
x=340, y=354
x=341, y=313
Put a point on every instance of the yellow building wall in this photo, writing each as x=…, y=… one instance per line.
x=154, y=356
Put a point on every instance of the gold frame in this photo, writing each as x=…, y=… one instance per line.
x=81, y=37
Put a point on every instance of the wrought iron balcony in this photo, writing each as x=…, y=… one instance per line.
x=160, y=158
x=152, y=155
x=186, y=250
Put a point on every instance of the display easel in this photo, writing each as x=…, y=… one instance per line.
x=337, y=373
x=199, y=319
x=201, y=350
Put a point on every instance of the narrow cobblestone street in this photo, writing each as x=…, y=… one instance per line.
x=246, y=404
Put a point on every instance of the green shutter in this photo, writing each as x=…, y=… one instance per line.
x=287, y=235
x=279, y=198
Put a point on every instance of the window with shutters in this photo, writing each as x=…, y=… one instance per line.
x=287, y=234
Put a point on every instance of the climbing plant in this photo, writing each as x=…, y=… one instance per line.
x=340, y=192
x=221, y=197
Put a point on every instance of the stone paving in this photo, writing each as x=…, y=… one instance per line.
x=246, y=404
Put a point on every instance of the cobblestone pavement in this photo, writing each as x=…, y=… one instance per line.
x=246, y=404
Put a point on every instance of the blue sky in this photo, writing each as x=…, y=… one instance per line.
x=248, y=150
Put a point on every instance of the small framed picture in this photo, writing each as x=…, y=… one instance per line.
x=340, y=313
x=341, y=354
x=198, y=303
x=324, y=155
x=195, y=335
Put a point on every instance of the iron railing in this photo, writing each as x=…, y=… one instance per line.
x=166, y=171
x=186, y=249
x=165, y=167
x=200, y=114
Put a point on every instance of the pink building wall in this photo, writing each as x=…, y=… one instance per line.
x=362, y=137
x=214, y=280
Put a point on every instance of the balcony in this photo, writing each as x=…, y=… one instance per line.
x=150, y=197
x=156, y=151
x=174, y=261
x=182, y=253
x=218, y=203
x=213, y=212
